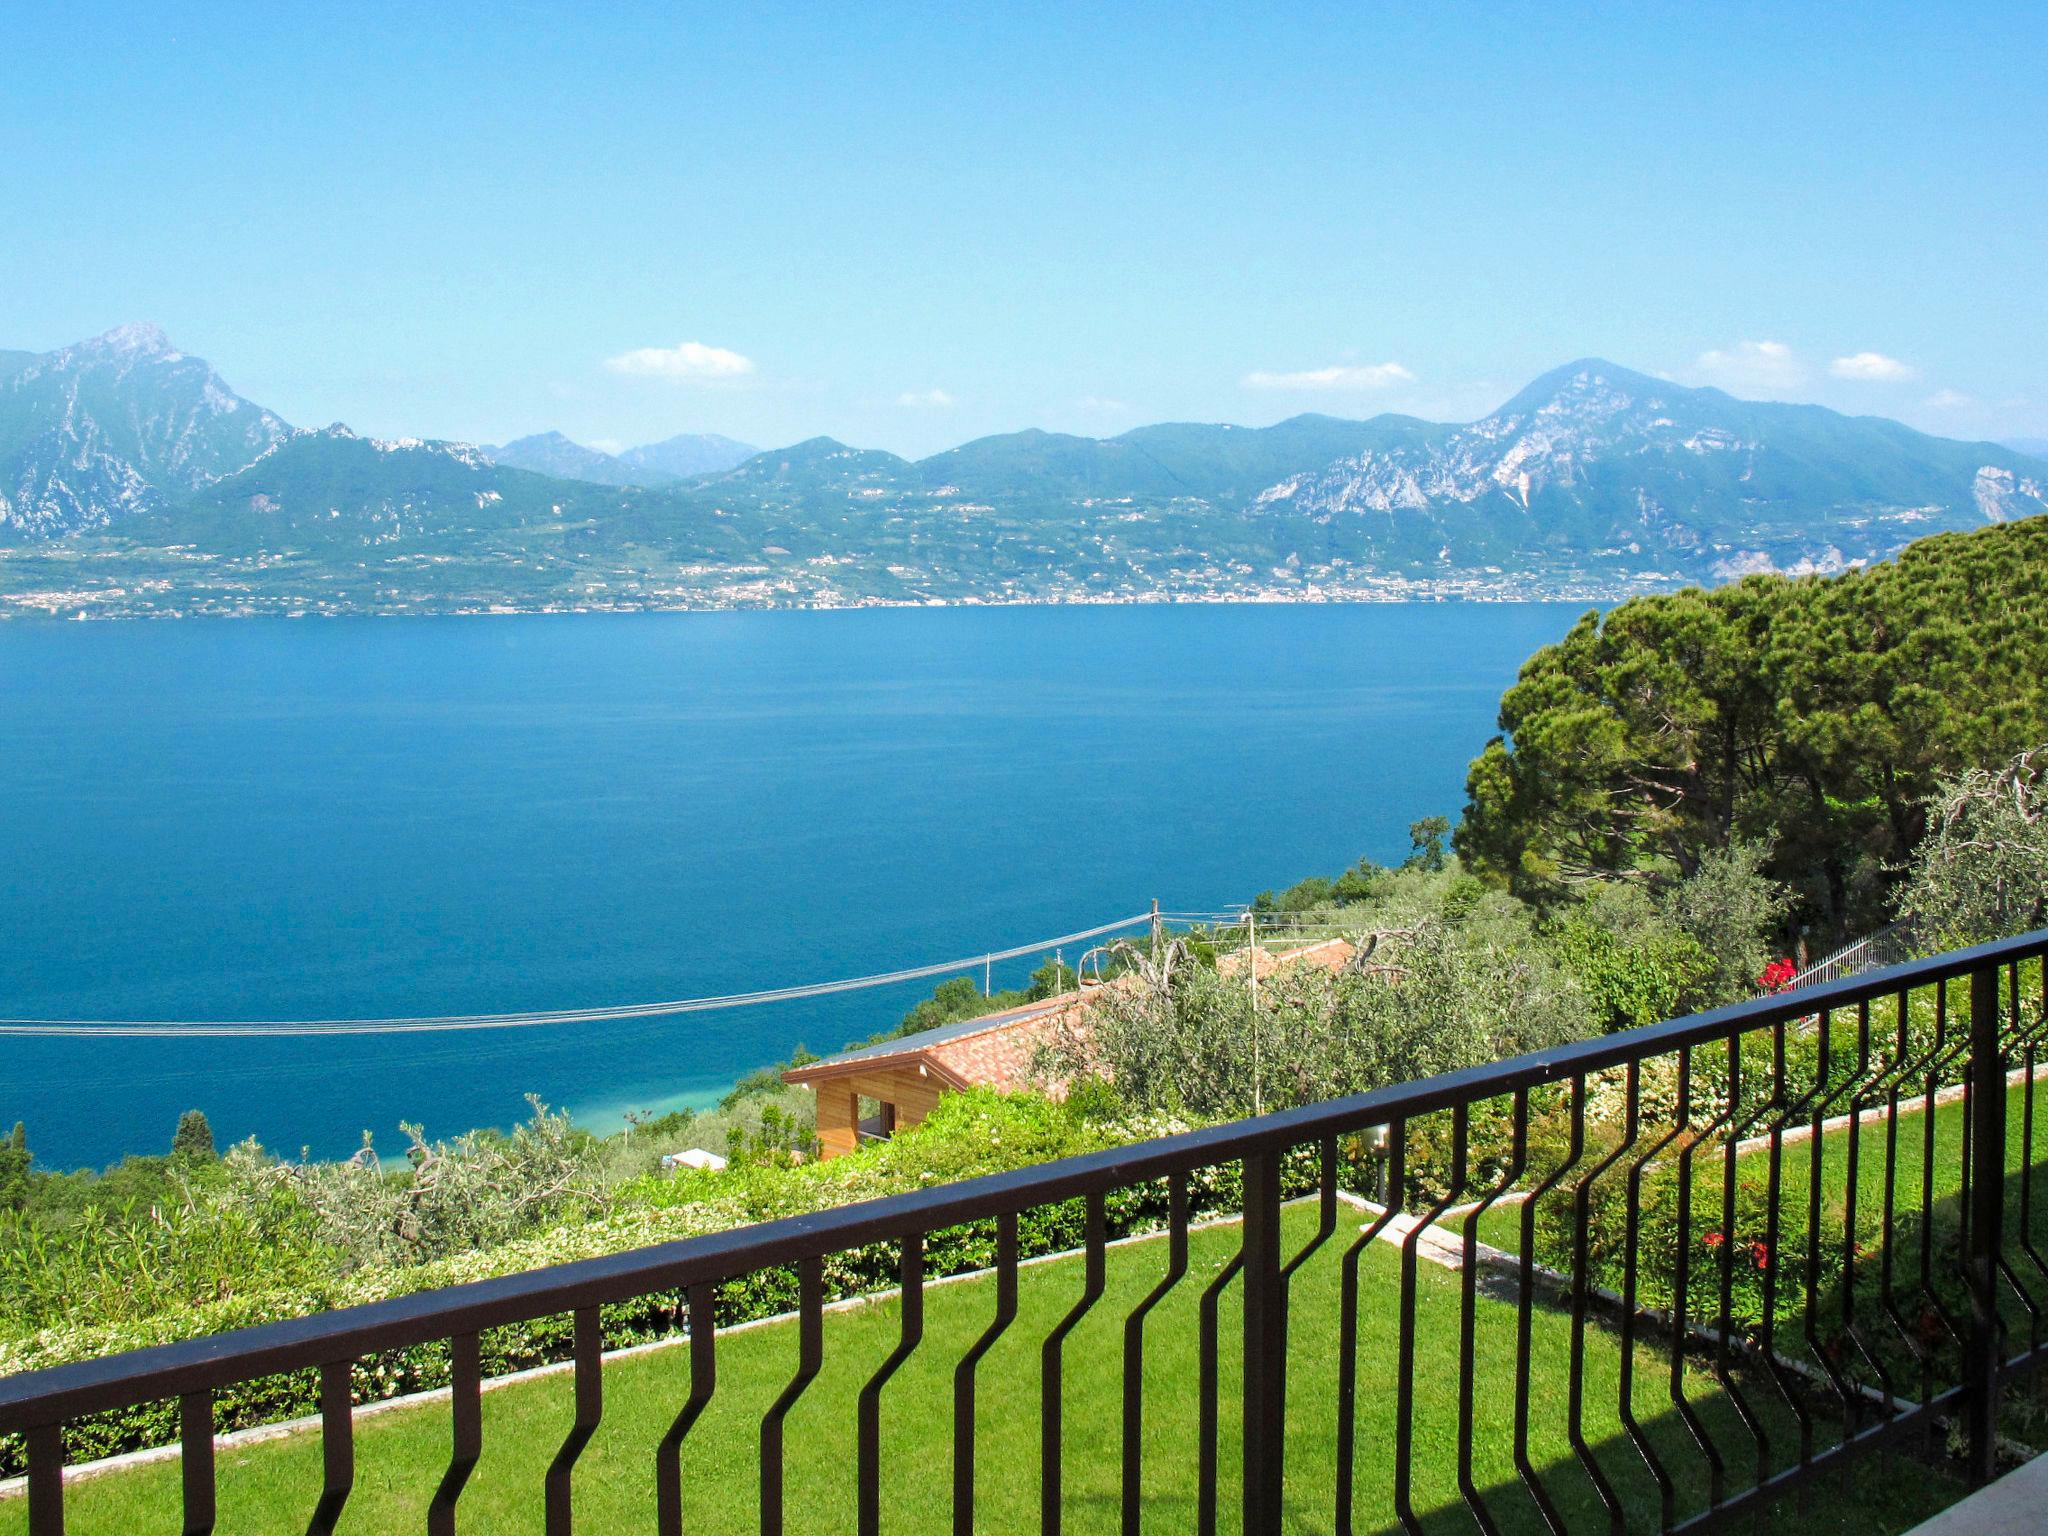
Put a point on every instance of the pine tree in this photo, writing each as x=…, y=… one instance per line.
x=1813, y=715
x=14, y=1161
x=193, y=1142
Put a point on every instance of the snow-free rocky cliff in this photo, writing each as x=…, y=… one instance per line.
x=1604, y=460
x=119, y=425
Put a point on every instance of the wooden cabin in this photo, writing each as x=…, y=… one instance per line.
x=870, y=1093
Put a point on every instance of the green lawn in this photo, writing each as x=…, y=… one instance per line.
x=1889, y=1350
x=271, y=1487
x=1501, y=1227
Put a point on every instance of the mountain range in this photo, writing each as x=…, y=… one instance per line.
x=662, y=463
x=133, y=479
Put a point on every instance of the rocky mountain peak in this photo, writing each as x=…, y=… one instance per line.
x=116, y=426
x=1591, y=386
x=123, y=346
x=137, y=338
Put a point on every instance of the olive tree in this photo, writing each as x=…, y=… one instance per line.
x=1199, y=1040
x=1982, y=870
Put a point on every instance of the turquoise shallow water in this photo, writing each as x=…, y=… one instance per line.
x=255, y=819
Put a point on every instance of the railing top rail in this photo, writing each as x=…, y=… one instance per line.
x=62, y=1392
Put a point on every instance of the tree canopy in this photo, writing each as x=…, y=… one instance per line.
x=1813, y=715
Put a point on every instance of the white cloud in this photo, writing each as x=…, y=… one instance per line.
x=1758, y=365
x=1950, y=400
x=1344, y=377
x=691, y=361
x=1097, y=403
x=1871, y=368
x=925, y=400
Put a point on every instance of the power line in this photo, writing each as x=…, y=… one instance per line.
x=213, y=1028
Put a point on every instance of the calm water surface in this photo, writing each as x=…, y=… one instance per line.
x=255, y=819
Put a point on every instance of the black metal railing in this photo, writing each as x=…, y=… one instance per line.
x=1707, y=1296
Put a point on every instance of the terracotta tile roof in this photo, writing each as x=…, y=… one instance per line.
x=997, y=1049
x=1328, y=955
x=994, y=1049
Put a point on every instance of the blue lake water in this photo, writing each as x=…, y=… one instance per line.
x=255, y=819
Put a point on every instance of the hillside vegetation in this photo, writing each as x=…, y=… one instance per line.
x=1813, y=716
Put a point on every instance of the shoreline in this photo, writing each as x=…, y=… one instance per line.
x=23, y=607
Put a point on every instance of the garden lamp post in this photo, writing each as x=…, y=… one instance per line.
x=1379, y=1140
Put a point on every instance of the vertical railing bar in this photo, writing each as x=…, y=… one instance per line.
x=2026, y=1232
x=1134, y=1351
x=1901, y=1067
x=1208, y=1390
x=2033, y=1041
x=1731, y=1125
x=46, y=1480
x=963, y=1374
x=1347, y=1327
x=1051, y=1502
x=702, y=1302
x=1468, y=1303
x=1726, y=1254
x=1581, y=1283
x=1267, y=1281
x=1525, y=1318
x=1782, y=1109
x=1326, y=1207
x=465, y=1404
x=868, y=1475
x=1852, y=1248
x=1962, y=1273
x=1631, y=1274
x=559, y=1485
x=195, y=1458
x=1404, y=1377
x=1815, y=1195
x=2014, y=1038
x=810, y=1356
x=1853, y=1086
x=337, y=1446
x=1852, y=1162
x=1987, y=1213
x=1265, y=1345
x=1945, y=1055
x=1681, y=1292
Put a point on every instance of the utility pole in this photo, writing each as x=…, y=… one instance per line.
x=987, y=973
x=1155, y=930
x=1251, y=966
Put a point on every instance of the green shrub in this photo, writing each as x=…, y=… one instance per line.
x=968, y=1134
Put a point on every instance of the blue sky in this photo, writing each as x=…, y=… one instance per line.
x=907, y=226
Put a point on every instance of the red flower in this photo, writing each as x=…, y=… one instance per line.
x=1760, y=1255
x=1776, y=975
x=1712, y=1239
